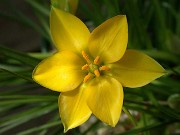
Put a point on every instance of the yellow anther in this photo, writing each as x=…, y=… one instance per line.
x=106, y=68
x=87, y=77
x=85, y=67
x=97, y=73
x=86, y=57
x=96, y=60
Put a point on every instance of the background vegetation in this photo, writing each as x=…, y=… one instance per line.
x=29, y=109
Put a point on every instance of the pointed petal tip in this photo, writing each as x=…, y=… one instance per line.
x=66, y=129
x=57, y=10
x=136, y=69
x=73, y=109
x=109, y=40
x=144, y=83
x=66, y=126
x=109, y=102
x=65, y=35
x=122, y=16
x=113, y=124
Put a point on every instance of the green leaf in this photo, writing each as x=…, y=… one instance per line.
x=20, y=118
x=24, y=101
x=164, y=110
x=39, y=128
x=39, y=7
x=146, y=128
x=17, y=75
x=162, y=55
x=19, y=56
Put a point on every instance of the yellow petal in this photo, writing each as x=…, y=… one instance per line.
x=68, y=32
x=60, y=72
x=109, y=40
x=73, y=108
x=105, y=99
x=136, y=69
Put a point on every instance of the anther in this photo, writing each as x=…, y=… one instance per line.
x=106, y=68
x=97, y=73
x=85, y=67
x=86, y=57
x=87, y=77
x=96, y=60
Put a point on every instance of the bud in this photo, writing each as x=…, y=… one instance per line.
x=174, y=101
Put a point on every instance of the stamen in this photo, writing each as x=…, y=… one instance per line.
x=96, y=60
x=85, y=67
x=97, y=73
x=86, y=57
x=87, y=77
x=106, y=68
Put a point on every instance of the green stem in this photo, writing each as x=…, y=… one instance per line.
x=129, y=115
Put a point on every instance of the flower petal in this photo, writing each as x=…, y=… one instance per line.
x=73, y=108
x=68, y=32
x=105, y=99
x=136, y=69
x=60, y=72
x=109, y=40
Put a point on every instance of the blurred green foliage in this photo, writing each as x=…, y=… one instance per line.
x=154, y=28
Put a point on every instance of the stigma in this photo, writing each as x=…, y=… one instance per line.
x=94, y=68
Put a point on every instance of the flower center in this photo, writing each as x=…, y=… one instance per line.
x=94, y=68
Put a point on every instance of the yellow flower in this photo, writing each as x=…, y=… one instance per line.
x=90, y=69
